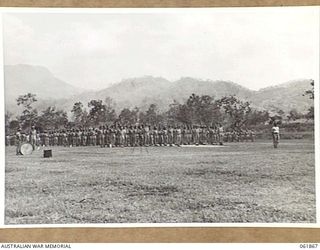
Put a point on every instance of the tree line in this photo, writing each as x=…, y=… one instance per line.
x=201, y=110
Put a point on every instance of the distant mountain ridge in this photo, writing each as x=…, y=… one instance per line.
x=143, y=91
x=23, y=78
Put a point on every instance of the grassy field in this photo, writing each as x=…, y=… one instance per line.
x=241, y=182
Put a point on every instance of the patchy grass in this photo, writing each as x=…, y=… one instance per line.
x=243, y=182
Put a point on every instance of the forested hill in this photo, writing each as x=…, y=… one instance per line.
x=143, y=91
x=23, y=78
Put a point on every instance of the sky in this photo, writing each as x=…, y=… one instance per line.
x=255, y=47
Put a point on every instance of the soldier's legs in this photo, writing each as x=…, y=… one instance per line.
x=18, y=148
x=178, y=141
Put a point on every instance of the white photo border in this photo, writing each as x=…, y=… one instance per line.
x=15, y=10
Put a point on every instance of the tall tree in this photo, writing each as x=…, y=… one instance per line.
x=237, y=110
x=257, y=117
x=7, y=120
x=27, y=100
x=77, y=111
x=128, y=117
x=183, y=114
x=172, y=113
x=310, y=93
x=110, y=112
x=151, y=116
x=85, y=119
x=193, y=104
x=294, y=115
x=14, y=125
x=51, y=118
x=97, y=112
x=310, y=114
x=202, y=110
x=29, y=114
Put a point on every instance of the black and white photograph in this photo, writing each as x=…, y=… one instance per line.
x=161, y=116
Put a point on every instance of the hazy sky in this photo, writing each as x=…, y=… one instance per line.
x=253, y=47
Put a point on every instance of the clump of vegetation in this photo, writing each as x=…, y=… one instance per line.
x=204, y=110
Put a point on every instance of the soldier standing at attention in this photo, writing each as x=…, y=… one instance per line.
x=59, y=132
x=170, y=135
x=151, y=136
x=38, y=140
x=104, y=135
x=46, y=138
x=210, y=135
x=84, y=137
x=53, y=133
x=184, y=135
x=127, y=136
x=165, y=136
x=188, y=135
x=130, y=136
x=232, y=135
x=69, y=136
x=252, y=135
x=74, y=137
x=155, y=136
x=33, y=135
x=201, y=135
x=141, y=135
x=196, y=135
x=94, y=137
x=55, y=138
x=79, y=137
x=146, y=135
x=241, y=137
x=50, y=137
x=221, y=134
x=193, y=132
x=178, y=136
x=88, y=133
x=99, y=131
x=227, y=136
x=160, y=136
x=134, y=136
x=64, y=139
x=247, y=135
x=275, y=134
x=112, y=136
x=122, y=136
x=118, y=134
x=18, y=141
x=90, y=136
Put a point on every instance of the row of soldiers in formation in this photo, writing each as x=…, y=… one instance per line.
x=132, y=136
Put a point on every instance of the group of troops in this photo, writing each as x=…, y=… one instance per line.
x=131, y=136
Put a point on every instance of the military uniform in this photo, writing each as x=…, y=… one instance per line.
x=18, y=142
x=178, y=136
x=122, y=136
x=170, y=136
x=165, y=136
x=33, y=137
x=146, y=135
x=46, y=139
x=196, y=135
